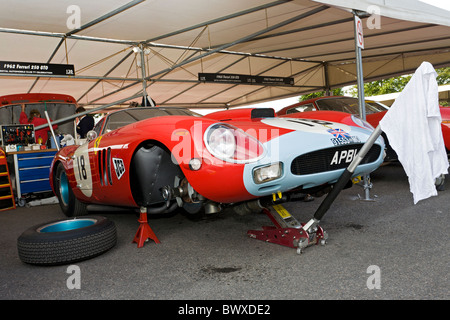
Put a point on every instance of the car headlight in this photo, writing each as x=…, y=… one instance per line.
x=221, y=142
x=231, y=144
x=267, y=173
x=362, y=123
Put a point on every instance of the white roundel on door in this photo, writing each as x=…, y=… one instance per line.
x=306, y=125
x=82, y=170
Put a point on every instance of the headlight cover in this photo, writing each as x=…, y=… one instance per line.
x=232, y=144
x=362, y=123
x=267, y=173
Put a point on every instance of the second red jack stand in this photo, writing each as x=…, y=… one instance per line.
x=144, y=231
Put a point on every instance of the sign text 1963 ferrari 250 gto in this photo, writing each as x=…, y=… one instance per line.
x=164, y=158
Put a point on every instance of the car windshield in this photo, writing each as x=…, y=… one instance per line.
x=349, y=105
x=127, y=116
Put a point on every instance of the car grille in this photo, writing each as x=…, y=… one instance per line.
x=329, y=159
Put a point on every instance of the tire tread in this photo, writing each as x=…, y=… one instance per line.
x=81, y=246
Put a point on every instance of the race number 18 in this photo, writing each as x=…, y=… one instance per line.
x=82, y=168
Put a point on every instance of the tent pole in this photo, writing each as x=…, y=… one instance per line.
x=359, y=74
x=327, y=82
x=144, y=81
x=361, y=99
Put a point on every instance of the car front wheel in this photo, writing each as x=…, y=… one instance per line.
x=69, y=204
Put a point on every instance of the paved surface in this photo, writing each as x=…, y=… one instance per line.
x=214, y=258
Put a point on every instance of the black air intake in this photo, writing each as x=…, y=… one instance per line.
x=331, y=159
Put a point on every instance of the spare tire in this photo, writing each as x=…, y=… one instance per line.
x=66, y=241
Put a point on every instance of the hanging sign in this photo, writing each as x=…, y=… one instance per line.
x=244, y=79
x=359, y=32
x=41, y=69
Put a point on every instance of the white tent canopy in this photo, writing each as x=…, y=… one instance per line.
x=396, y=9
x=309, y=41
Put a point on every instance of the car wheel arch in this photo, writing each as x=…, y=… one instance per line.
x=151, y=161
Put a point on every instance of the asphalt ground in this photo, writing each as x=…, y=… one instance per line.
x=387, y=249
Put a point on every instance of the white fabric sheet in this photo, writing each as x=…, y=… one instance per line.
x=413, y=128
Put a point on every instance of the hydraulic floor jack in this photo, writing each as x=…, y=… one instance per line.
x=289, y=232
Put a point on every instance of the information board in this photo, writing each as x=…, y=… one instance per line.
x=36, y=68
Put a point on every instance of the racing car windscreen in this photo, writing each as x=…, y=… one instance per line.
x=124, y=117
x=348, y=105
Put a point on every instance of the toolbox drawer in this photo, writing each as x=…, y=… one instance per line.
x=34, y=173
x=33, y=170
x=35, y=186
x=35, y=160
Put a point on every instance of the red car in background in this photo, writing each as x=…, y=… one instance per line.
x=57, y=105
x=375, y=111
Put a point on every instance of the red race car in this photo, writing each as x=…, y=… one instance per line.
x=161, y=159
x=375, y=111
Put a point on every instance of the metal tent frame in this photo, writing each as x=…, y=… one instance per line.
x=313, y=65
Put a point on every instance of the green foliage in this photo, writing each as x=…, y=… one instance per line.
x=443, y=77
x=384, y=86
x=375, y=88
x=397, y=84
x=336, y=92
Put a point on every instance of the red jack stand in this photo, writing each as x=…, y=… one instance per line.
x=144, y=231
x=288, y=231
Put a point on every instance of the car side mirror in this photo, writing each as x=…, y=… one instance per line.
x=91, y=135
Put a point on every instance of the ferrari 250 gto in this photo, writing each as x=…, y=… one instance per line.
x=161, y=159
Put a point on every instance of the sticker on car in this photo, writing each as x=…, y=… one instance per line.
x=308, y=125
x=82, y=170
x=119, y=167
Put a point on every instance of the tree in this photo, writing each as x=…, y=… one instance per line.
x=397, y=84
x=336, y=92
x=375, y=88
x=443, y=77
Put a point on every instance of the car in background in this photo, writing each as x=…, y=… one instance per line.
x=57, y=105
x=161, y=159
x=375, y=111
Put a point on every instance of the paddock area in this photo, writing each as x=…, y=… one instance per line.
x=388, y=248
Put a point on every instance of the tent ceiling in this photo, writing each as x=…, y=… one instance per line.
x=309, y=41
